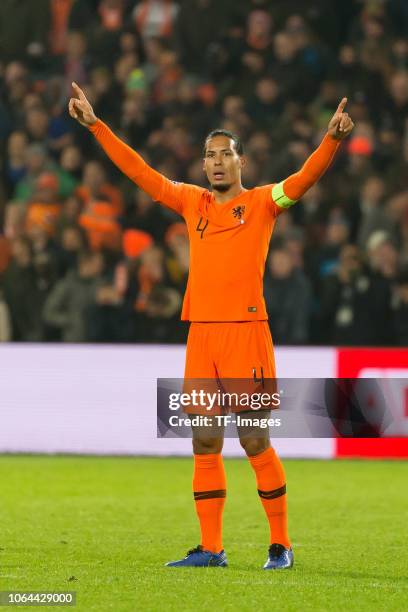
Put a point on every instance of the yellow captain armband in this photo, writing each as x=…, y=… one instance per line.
x=280, y=198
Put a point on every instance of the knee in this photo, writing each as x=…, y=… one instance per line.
x=207, y=446
x=254, y=446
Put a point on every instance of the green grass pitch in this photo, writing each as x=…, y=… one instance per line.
x=109, y=525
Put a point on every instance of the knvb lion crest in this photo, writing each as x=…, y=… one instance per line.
x=238, y=212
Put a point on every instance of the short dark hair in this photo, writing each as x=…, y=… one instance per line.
x=221, y=132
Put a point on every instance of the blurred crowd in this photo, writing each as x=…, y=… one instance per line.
x=85, y=256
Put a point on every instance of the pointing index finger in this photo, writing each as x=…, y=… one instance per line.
x=78, y=91
x=341, y=106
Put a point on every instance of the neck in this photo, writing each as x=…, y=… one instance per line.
x=224, y=196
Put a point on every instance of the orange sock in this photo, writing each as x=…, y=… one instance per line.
x=271, y=483
x=209, y=488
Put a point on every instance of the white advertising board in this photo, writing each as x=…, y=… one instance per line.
x=101, y=399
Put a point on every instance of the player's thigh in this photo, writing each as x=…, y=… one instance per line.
x=200, y=381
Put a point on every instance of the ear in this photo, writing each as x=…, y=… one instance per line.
x=242, y=161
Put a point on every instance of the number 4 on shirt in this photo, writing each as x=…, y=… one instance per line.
x=203, y=228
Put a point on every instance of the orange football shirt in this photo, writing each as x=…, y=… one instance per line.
x=228, y=242
x=228, y=248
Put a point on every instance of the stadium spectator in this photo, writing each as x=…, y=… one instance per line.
x=112, y=14
x=355, y=305
x=98, y=220
x=369, y=214
x=192, y=42
x=67, y=306
x=265, y=103
x=71, y=161
x=288, y=71
x=258, y=37
x=38, y=163
x=60, y=12
x=15, y=164
x=24, y=27
x=82, y=14
x=337, y=235
x=177, y=260
x=144, y=215
x=44, y=208
x=382, y=255
x=72, y=242
x=288, y=299
x=95, y=186
x=22, y=293
x=155, y=17
x=76, y=61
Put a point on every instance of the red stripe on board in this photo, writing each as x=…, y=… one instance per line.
x=381, y=448
x=350, y=361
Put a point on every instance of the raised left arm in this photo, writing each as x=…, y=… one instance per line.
x=287, y=192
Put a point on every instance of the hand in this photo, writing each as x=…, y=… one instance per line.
x=340, y=125
x=80, y=109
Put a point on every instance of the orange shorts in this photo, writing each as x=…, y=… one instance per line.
x=230, y=350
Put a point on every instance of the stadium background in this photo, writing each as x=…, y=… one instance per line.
x=86, y=257
x=92, y=276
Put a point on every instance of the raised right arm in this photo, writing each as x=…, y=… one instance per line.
x=126, y=159
x=160, y=188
